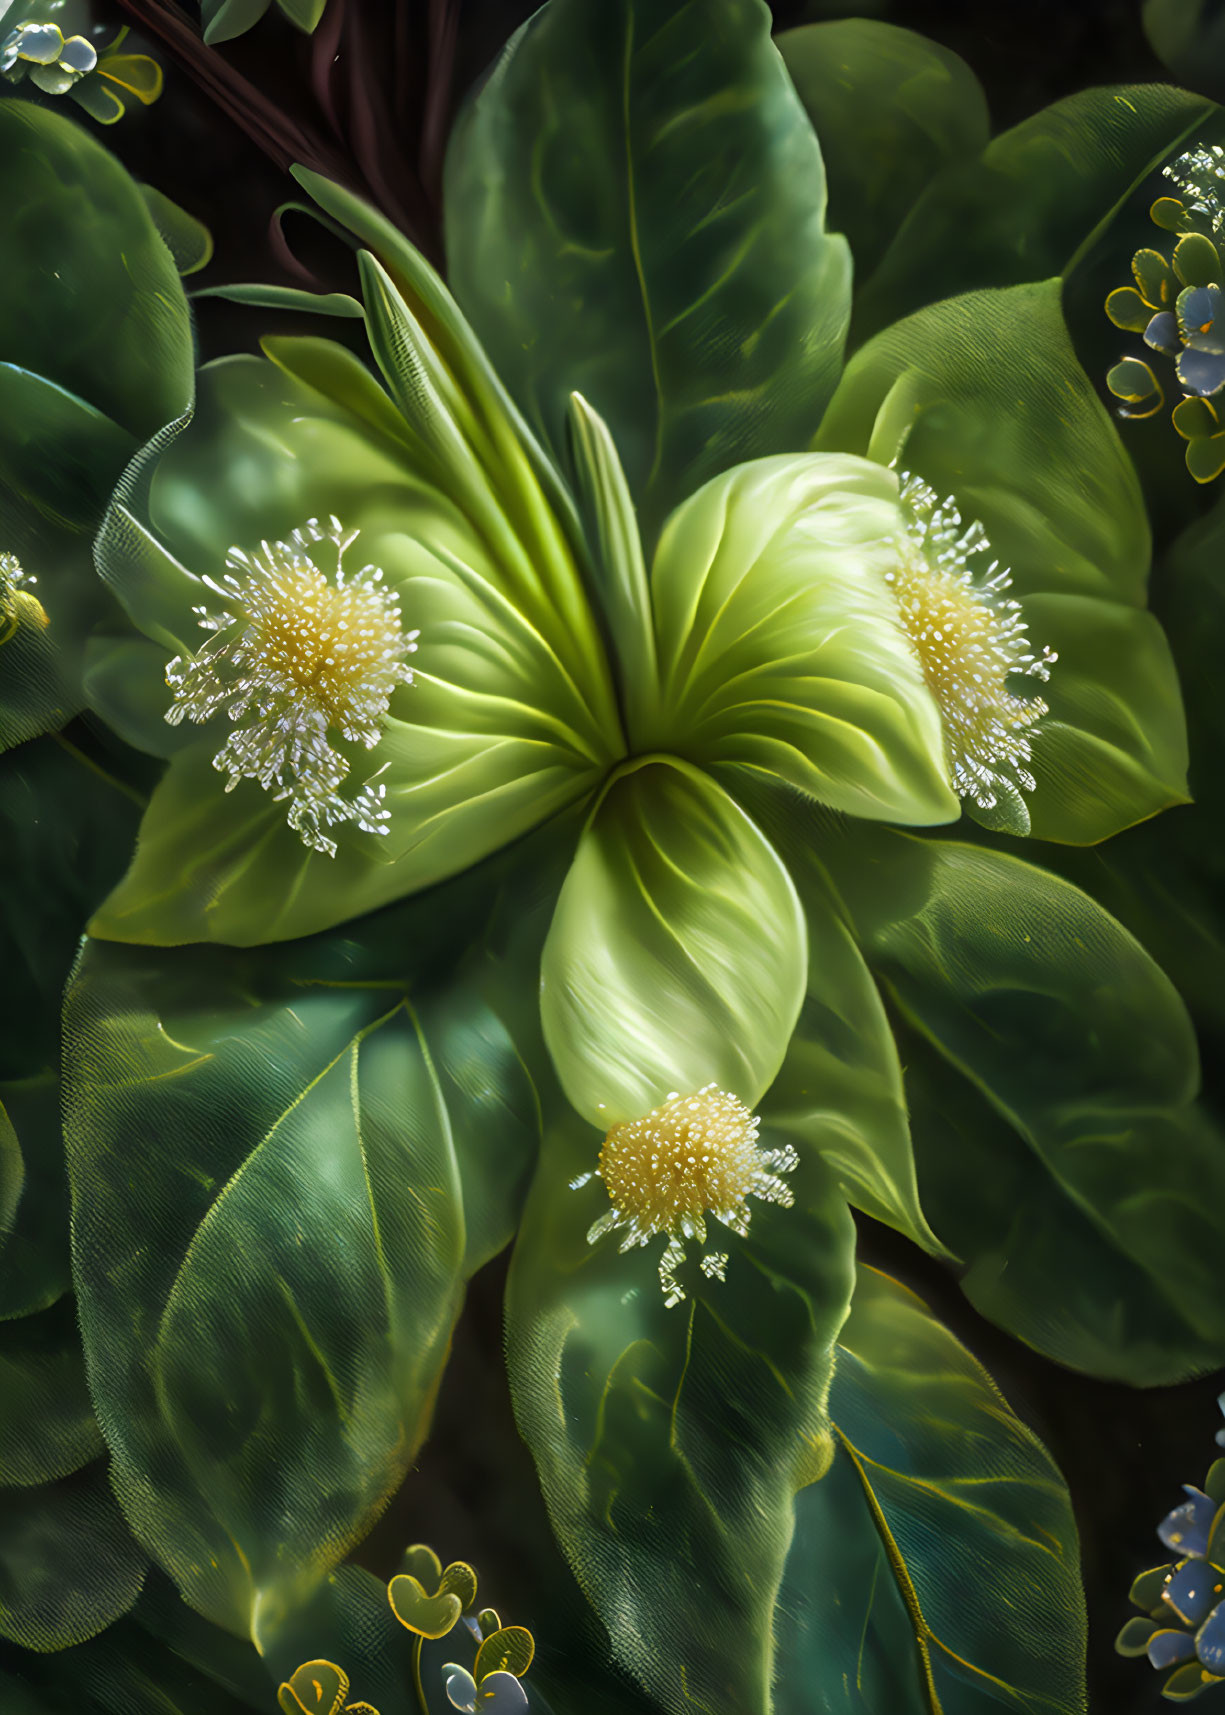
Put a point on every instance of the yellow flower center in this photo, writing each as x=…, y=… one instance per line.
x=693, y=1154
x=970, y=639
x=298, y=651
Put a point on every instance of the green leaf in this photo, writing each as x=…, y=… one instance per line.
x=780, y=646
x=1033, y=202
x=621, y=588
x=91, y=299
x=66, y=826
x=676, y=957
x=286, y=298
x=304, y=13
x=188, y=240
x=68, y=1564
x=225, y=19
x=669, y=1443
x=47, y=1429
x=936, y=1566
x=1051, y=1071
x=644, y=223
x=506, y=723
x=983, y=397
x=1113, y=750
x=285, y=1165
x=890, y=109
x=839, y=1090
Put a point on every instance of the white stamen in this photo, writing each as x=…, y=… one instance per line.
x=297, y=653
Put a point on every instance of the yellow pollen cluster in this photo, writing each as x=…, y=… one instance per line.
x=298, y=650
x=970, y=639
x=16, y=603
x=694, y=1155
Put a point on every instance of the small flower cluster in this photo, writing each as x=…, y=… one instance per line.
x=430, y=1601
x=1177, y=307
x=56, y=64
x=1184, y=1620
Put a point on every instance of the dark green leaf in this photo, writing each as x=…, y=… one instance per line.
x=47, y=1427
x=644, y=223
x=1033, y=201
x=68, y=1563
x=934, y=1571
x=285, y=1164
x=1051, y=1074
x=890, y=108
x=90, y=298
x=670, y=1442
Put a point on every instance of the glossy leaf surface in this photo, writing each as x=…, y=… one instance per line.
x=677, y=953
x=1033, y=201
x=780, y=646
x=890, y=109
x=285, y=1165
x=669, y=1442
x=934, y=1570
x=498, y=731
x=1051, y=1074
x=645, y=223
x=984, y=398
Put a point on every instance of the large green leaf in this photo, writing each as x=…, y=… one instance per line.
x=510, y=717
x=670, y=1442
x=934, y=1570
x=68, y=1563
x=66, y=826
x=780, y=646
x=984, y=398
x=159, y=1659
x=1033, y=201
x=890, y=109
x=285, y=1164
x=1052, y=1074
x=47, y=1427
x=677, y=954
x=90, y=298
x=636, y=211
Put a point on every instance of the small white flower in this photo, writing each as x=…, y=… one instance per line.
x=298, y=652
x=971, y=639
x=692, y=1156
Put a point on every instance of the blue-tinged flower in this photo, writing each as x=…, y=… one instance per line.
x=498, y=1693
x=1220, y=1434
x=54, y=63
x=1192, y=1590
x=1187, y=1528
x=1167, y=1649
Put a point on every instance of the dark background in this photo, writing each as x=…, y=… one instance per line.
x=1124, y=1452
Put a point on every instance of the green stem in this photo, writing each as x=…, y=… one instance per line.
x=418, y=1686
